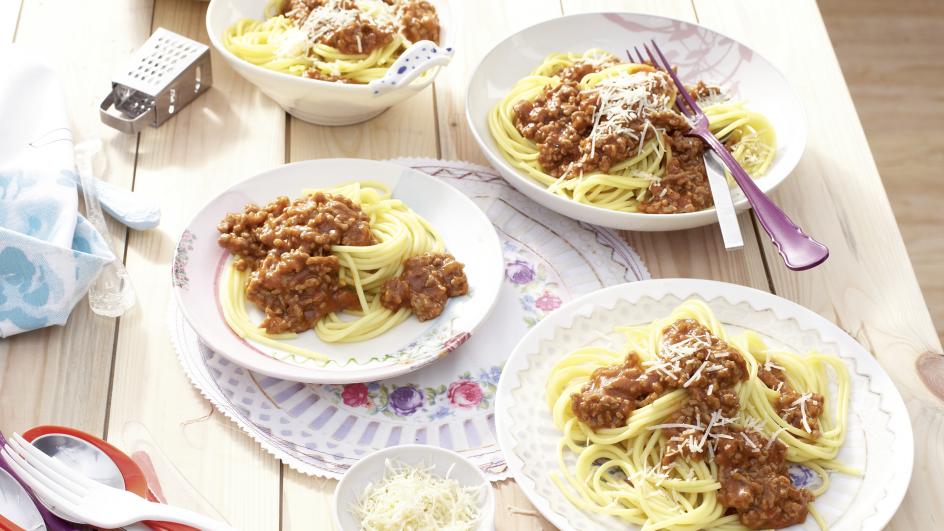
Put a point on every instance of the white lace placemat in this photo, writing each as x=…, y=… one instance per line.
x=324, y=429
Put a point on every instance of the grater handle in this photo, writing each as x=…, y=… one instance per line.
x=118, y=121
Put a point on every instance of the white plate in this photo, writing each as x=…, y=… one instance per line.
x=699, y=53
x=468, y=235
x=879, y=440
x=371, y=469
x=325, y=429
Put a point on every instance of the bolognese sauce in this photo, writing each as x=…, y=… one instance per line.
x=581, y=130
x=295, y=279
x=751, y=468
x=343, y=25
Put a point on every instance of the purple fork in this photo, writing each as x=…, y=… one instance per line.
x=798, y=250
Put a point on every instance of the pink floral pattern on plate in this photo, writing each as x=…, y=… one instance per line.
x=324, y=429
x=181, y=258
x=428, y=404
x=537, y=283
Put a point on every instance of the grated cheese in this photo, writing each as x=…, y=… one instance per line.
x=330, y=17
x=749, y=441
x=696, y=375
x=415, y=499
x=676, y=425
x=291, y=43
x=802, y=403
x=625, y=101
x=773, y=438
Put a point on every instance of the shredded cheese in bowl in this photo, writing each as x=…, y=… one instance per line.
x=413, y=498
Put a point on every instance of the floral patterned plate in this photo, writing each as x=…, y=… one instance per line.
x=466, y=230
x=325, y=429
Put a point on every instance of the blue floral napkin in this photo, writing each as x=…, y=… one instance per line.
x=49, y=254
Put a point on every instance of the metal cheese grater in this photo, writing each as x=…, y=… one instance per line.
x=161, y=78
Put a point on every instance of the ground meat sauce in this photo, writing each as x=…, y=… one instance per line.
x=684, y=188
x=799, y=410
x=614, y=392
x=355, y=32
x=314, y=73
x=418, y=21
x=425, y=285
x=558, y=121
x=360, y=37
x=561, y=121
x=752, y=470
x=298, y=10
x=286, y=244
x=755, y=482
x=296, y=290
x=701, y=91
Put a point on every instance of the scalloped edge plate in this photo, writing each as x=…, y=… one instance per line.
x=880, y=438
x=466, y=230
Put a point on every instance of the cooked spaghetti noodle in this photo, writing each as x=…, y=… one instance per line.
x=398, y=236
x=333, y=40
x=661, y=466
x=602, y=132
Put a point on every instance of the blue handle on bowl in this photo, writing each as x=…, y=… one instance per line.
x=412, y=63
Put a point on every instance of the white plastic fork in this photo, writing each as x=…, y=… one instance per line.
x=82, y=500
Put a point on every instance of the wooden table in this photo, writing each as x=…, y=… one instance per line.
x=101, y=374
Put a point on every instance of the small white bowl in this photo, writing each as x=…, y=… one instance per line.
x=371, y=469
x=312, y=100
x=699, y=53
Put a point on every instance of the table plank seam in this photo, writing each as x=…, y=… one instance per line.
x=436, y=122
x=763, y=255
x=16, y=25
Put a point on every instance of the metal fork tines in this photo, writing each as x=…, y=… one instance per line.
x=79, y=499
x=720, y=192
x=798, y=250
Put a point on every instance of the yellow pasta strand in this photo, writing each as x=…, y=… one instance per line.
x=749, y=134
x=278, y=44
x=618, y=472
x=400, y=233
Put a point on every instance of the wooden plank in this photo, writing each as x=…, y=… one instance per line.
x=227, y=134
x=61, y=375
x=405, y=130
x=9, y=15
x=868, y=286
x=889, y=52
x=472, y=42
x=697, y=253
x=409, y=129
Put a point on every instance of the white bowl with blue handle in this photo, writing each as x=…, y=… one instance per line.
x=326, y=102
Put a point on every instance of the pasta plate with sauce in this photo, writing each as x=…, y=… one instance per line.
x=338, y=271
x=606, y=132
x=685, y=404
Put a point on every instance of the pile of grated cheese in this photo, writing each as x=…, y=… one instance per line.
x=414, y=499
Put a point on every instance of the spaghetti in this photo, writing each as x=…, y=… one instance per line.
x=694, y=428
x=370, y=244
x=345, y=41
x=607, y=133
